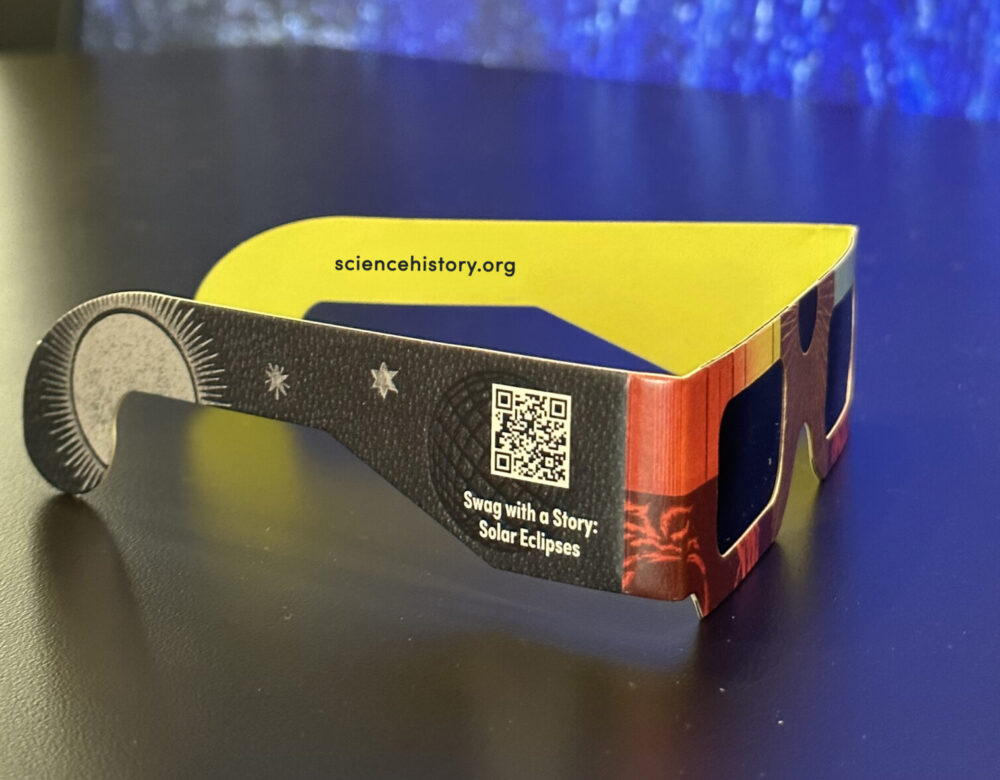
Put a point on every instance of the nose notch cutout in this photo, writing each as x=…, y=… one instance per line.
x=807, y=318
x=807, y=437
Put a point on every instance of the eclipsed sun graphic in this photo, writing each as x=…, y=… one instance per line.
x=107, y=348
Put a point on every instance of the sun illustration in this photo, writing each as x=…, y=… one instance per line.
x=102, y=351
x=277, y=380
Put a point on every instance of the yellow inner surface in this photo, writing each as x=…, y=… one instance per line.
x=677, y=294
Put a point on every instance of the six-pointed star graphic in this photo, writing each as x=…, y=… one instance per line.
x=277, y=380
x=383, y=379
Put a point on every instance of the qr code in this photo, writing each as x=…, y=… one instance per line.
x=530, y=435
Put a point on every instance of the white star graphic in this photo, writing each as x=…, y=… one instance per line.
x=383, y=379
x=277, y=381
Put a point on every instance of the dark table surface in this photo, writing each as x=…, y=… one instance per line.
x=243, y=598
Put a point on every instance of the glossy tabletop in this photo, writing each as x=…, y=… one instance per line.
x=240, y=598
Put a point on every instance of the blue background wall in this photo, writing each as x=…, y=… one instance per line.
x=925, y=56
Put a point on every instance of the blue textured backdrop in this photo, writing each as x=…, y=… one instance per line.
x=925, y=56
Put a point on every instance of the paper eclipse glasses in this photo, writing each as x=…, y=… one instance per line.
x=659, y=468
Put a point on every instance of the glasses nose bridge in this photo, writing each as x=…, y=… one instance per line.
x=805, y=376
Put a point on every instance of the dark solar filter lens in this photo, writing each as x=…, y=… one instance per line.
x=807, y=317
x=749, y=452
x=839, y=360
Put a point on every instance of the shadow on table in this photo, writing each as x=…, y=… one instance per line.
x=305, y=656
x=95, y=628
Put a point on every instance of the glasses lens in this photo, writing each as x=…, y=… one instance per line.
x=749, y=451
x=807, y=317
x=839, y=359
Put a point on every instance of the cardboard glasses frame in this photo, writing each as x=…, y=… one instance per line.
x=646, y=484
